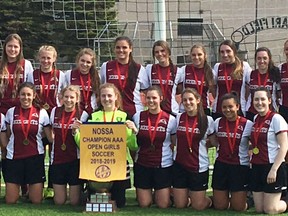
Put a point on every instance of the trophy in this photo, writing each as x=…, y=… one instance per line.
x=99, y=198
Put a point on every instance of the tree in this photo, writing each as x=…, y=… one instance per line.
x=37, y=26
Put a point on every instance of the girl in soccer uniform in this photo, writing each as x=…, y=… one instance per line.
x=110, y=110
x=65, y=153
x=86, y=76
x=48, y=80
x=165, y=75
x=128, y=76
x=199, y=76
x=153, y=161
x=269, y=147
x=230, y=75
x=231, y=169
x=191, y=161
x=266, y=75
x=283, y=100
x=14, y=70
x=25, y=151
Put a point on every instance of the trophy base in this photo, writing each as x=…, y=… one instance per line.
x=100, y=202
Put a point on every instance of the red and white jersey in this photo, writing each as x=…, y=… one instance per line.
x=71, y=152
x=256, y=80
x=16, y=149
x=2, y=123
x=130, y=94
x=161, y=155
x=267, y=141
x=169, y=90
x=55, y=81
x=284, y=83
x=88, y=97
x=237, y=85
x=7, y=101
x=230, y=152
x=197, y=160
x=193, y=77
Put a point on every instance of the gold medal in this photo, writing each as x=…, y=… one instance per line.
x=63, y=147
x=46, y=106
x=26, y=142
x=255, y=150
x=190, y=149
x=86, y=106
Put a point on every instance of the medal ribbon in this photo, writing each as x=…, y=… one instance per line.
x=104, y=115
x=199, y=87
x=228, y=83
x=26, y=130
x=164, y=89
x=85, y=92
x=45, y=92
x=259, y=126
x=190, y=137
x=232, y=141
x=63, y=129
x=259, y=79
x=152, y=134
x=122, y=83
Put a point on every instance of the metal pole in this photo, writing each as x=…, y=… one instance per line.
x=256, y=33
x=160, y=20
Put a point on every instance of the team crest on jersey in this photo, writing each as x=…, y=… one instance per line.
x=163, y=121
x=119, y=119
x=240, y=127
x=35, y=115
x=267, y=122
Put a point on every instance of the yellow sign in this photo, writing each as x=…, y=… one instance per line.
x=103, y=152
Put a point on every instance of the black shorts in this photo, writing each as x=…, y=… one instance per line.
x=284, y=112
x=258, y=180
x=25, y=171
x=230, y=177
x=66, y=173
x=148, y=177
x=194, y=181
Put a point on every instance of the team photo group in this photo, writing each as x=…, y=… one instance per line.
x=173, y=115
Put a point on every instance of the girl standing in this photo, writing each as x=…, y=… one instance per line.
x=231, y=74
x=283, y=100
x=164, y=75
x=191, y=162
x=266, y=75
x=48, y=80
x=128, y=76
x=65, y=153
x=14, y=70
x=86, y=76
x=153, y=161
x=25, y=151
x=269, y=142
x=231, y=169
x=110, y=111
x=199, y=76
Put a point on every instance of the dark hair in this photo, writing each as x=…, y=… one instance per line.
x=207, y=68
x=237, y=65
x=268, y=93
x=4, y=74
x=201, y=116
x=165, y=46
x=133, y=67
x=95, y=79
x=155, y=88
x=262, y=88
x=232, y=95
x=273, y=71
x=36, y=101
